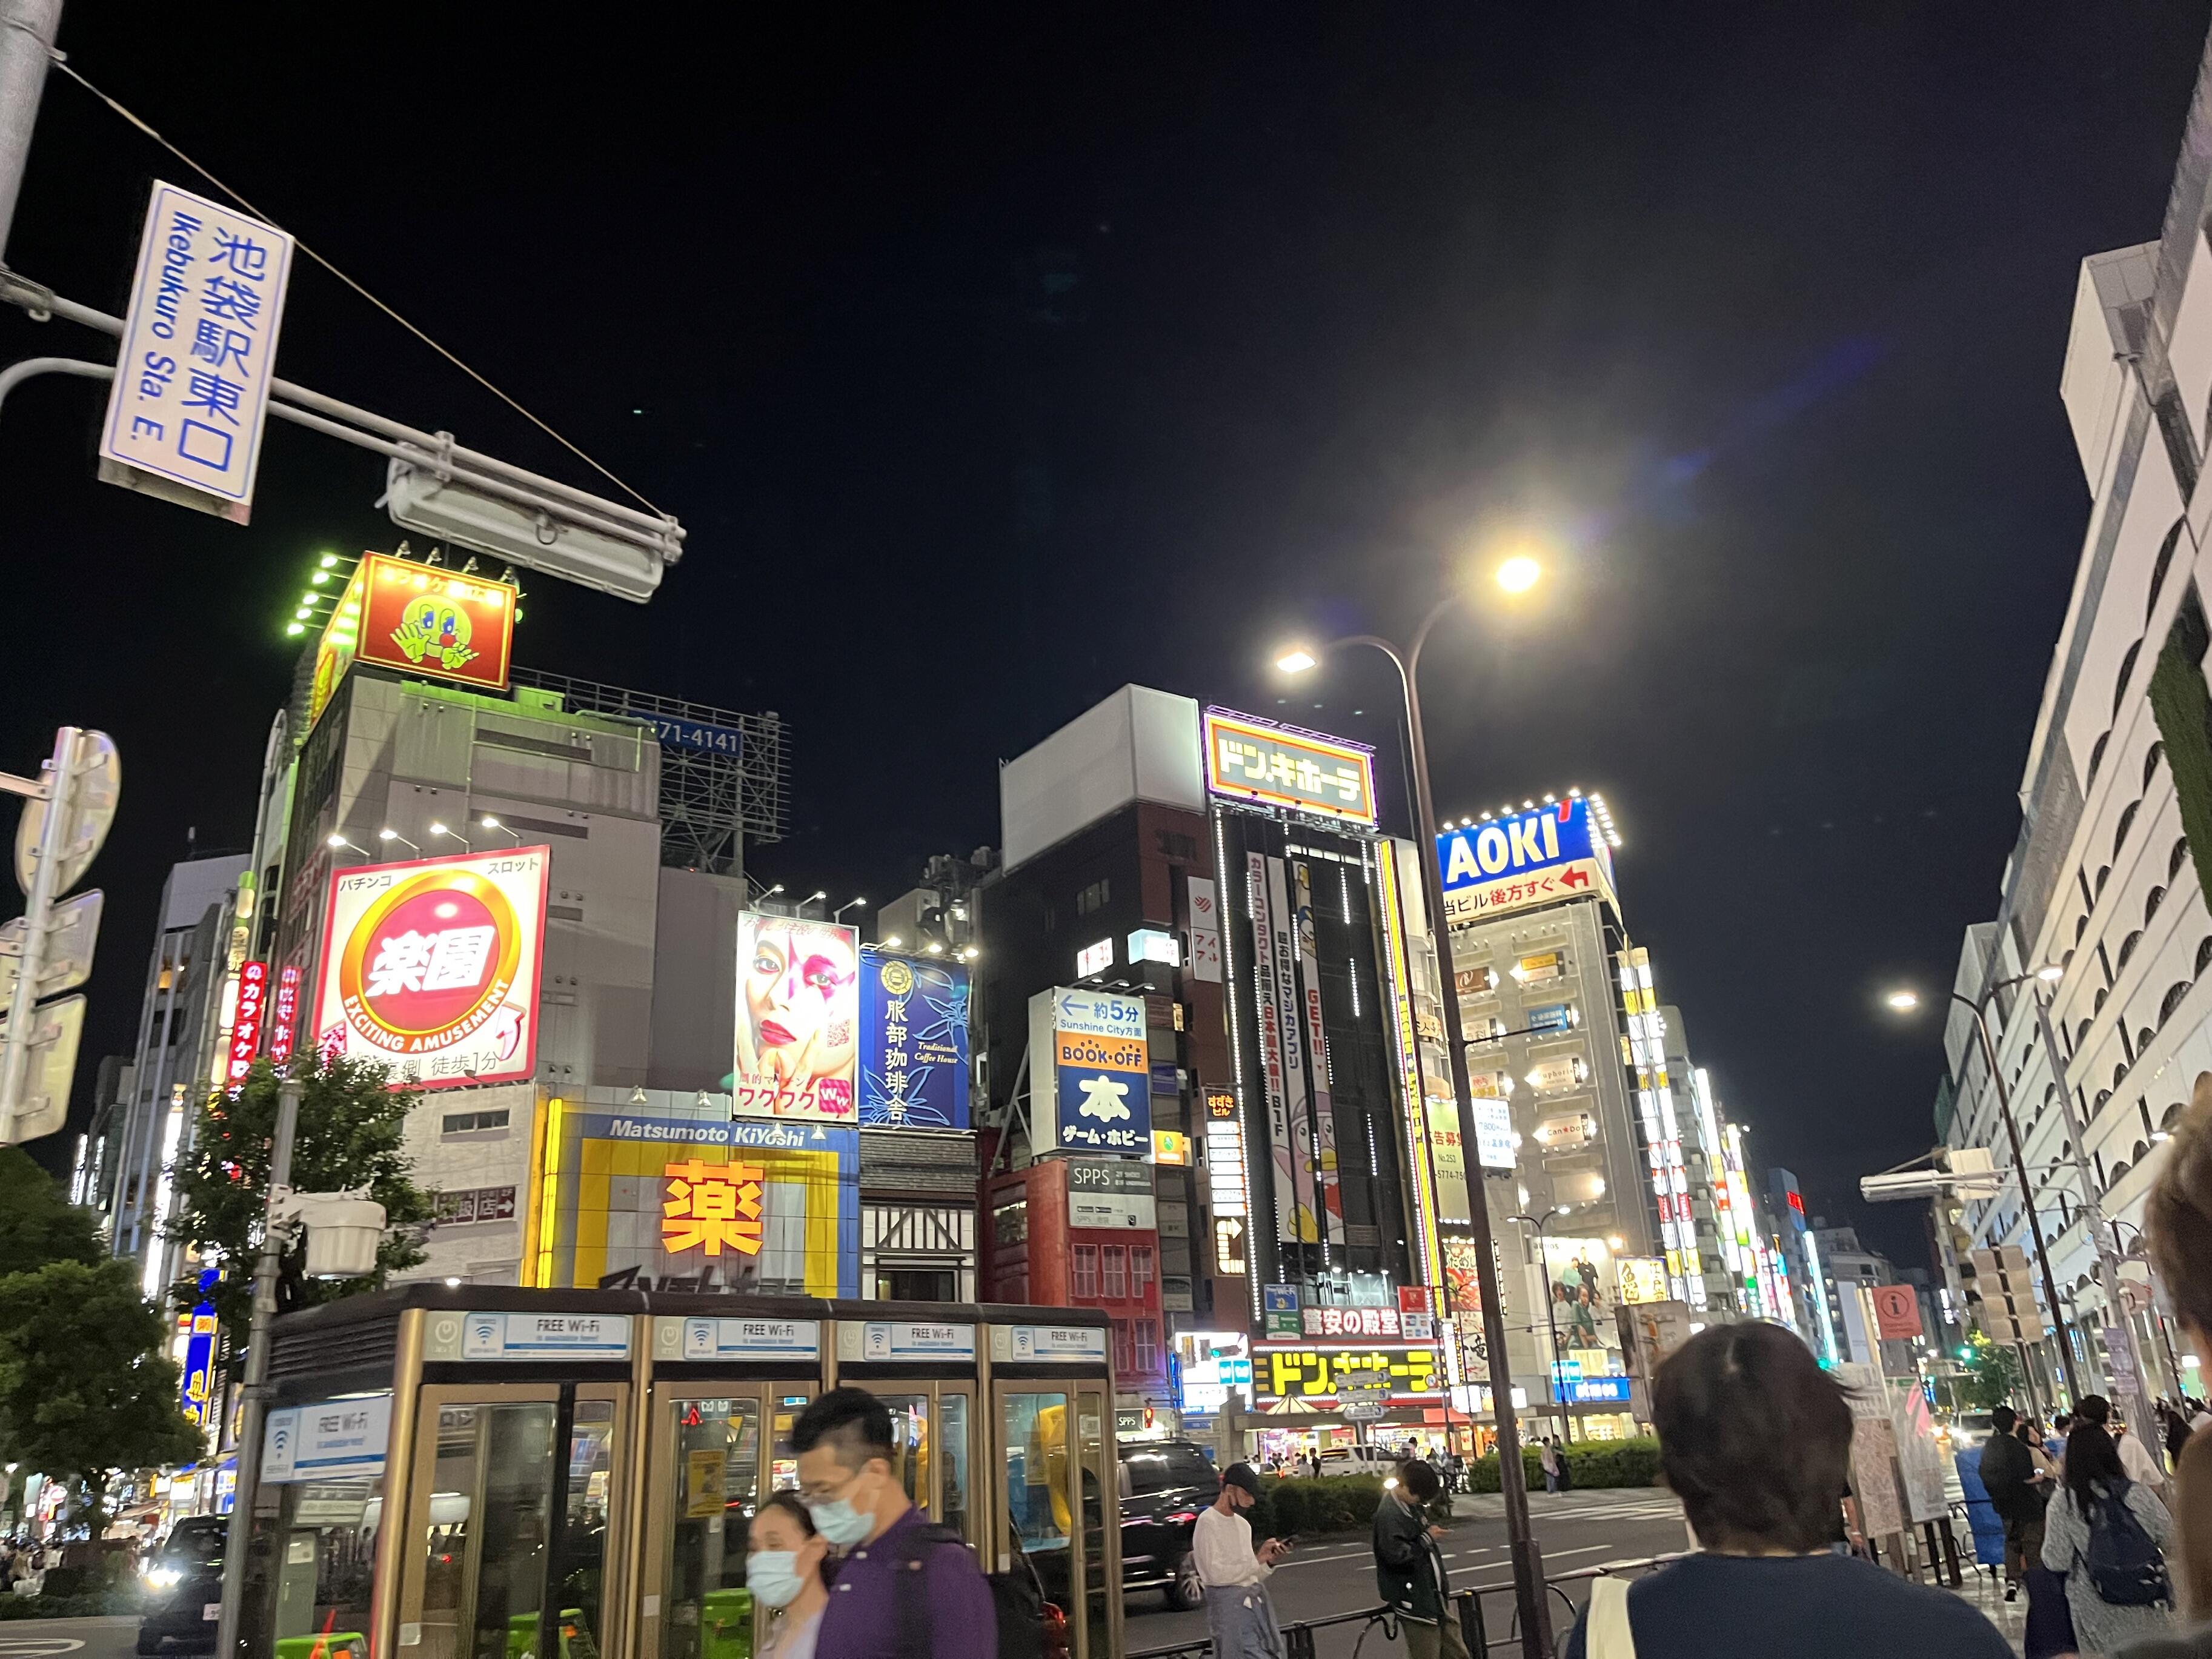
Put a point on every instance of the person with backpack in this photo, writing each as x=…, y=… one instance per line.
x=906, y=1589
x=2108, y=1534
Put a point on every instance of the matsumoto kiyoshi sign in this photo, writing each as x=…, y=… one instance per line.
x=1089, y=1057
x=432, y=967
x=1551, y=853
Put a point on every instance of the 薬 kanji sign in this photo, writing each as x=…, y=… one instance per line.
x=708, y=1206
x=199, y=349
x=432, y=967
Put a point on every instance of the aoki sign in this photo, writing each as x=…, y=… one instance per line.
x=1560, y=850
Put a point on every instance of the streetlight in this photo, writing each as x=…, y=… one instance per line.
x=838, y=915
x=440, y=829
x=1551, y=1315
x=1529, y=1593
x=488, y=822
x=335, y=841
x=893, y=943
x=1904, y=1001
x=389, y=834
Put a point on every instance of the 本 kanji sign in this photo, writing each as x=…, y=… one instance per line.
x=1090, y=1049
x=199, y=348
x=432, y=967
x=708, y=1206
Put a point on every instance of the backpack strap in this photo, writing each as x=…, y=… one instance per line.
x=910, y=1591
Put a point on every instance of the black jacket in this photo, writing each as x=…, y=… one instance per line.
x=1407, y=1567
x=2006, y=1470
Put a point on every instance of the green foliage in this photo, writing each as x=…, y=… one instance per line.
x=349, y=1137
x=1306, y=1508
x=37, y=1223
x=1992, y=1374
x=93, y=1605
x=83, y=1386
x=1592, y=1463
x=2183, y=708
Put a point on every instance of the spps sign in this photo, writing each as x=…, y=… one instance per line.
x=1100, y=1073
x=1552, y=852
x=432, y=967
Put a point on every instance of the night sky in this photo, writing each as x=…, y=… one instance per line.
x=993, y=362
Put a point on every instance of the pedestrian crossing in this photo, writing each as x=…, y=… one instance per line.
x=1641, y=1506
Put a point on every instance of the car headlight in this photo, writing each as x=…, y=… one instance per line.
x=163, y=1578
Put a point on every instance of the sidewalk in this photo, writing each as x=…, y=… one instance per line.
x=1986, y=1592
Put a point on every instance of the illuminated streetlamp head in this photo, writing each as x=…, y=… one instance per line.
x=1296, y=661
x=334, y=840
x=1519, y=574
x=387, y=835
x=1903, y=1001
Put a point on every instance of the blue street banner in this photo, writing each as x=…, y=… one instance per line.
x=914, y=1043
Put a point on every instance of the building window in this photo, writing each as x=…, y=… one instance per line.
x=1140, y=1272
x=1094, y=896
x=1124, y=1350
x=1115, y=1287
x=1083, y=1271
x=467, y=1123
x=1148, y=1345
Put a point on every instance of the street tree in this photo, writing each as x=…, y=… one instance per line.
x=38, y=1225
x=1992, y=1373
x=352, y=1122
x=84, y=1388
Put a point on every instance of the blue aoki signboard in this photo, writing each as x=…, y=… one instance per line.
x=914, y=1043
x=1551, y=853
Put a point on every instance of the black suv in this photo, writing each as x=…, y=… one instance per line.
x=1165, y=1484
x=183, y=1587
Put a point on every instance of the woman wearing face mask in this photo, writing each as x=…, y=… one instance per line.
x=784, y=1571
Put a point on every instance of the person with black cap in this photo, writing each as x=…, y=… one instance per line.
x=1238, y=1611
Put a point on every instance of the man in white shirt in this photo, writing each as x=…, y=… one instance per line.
x=1238, y=1611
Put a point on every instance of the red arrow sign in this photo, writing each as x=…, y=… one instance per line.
x=1574, y=879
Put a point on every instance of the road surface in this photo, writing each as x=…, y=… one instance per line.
x=69, y=1639
x=1336, y=1575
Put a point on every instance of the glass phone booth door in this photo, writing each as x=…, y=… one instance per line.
x=1062, y=1515
x=717, y=1449
x=514, y=1507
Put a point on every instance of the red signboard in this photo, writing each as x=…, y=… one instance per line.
x=1413, y=1298
x=1896, y=1312
x=424, y=620
x=284, y=1019
x=246, y=1022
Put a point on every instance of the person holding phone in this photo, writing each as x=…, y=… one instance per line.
x=1239, y=1613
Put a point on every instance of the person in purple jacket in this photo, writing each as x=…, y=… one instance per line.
x=905, y=1590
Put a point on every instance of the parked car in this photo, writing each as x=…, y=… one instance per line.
x=1359, y=1460
x=184, y=1588
x=1165, y=1484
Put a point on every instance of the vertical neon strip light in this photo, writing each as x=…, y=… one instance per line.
x=1397, y=947
x=1237, y=1060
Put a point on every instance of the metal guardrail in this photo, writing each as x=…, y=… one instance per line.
x=1298, y=1638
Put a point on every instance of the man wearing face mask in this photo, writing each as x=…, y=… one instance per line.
x=901, y=1592
x=1239, y=1611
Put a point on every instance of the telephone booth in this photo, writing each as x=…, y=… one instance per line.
x=476, y=1473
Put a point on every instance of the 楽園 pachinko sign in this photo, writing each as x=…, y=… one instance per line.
x=432, y=967
x=799, y=1020
x=914, y=1035
x=1255, y=760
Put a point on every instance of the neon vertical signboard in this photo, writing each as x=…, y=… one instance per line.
x=1560, y=850
x=432, y=967
x=1255, y=760
x=284, y=1015
x=245, y=1022
x=914, y=1043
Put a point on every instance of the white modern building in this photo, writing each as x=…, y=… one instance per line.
x=2108, y=880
